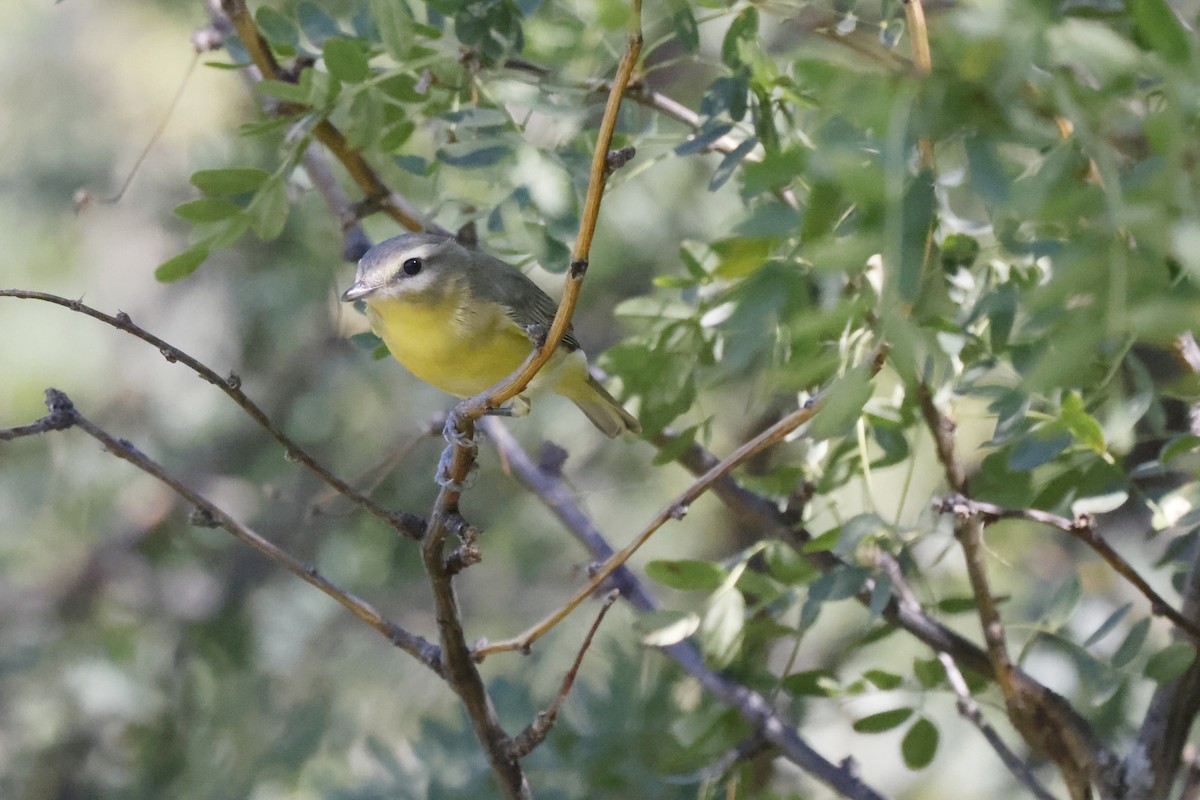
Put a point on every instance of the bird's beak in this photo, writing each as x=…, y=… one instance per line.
x=357, y=291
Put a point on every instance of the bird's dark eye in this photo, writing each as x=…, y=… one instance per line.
x=412, y=266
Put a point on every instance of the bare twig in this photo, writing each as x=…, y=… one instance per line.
x=675, y=510
x=410, y=525
x=63, y=414
x=535, y=733
x=752, y=706
x=1082, y=528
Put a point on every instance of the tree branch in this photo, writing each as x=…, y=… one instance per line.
x=674, y=510
x=1082, y=528
x=1153, y=761
x=752, y=706
x=407, y=524
x=535, y=733
x=63, y=415
x=375, y=190
x=1066, y=739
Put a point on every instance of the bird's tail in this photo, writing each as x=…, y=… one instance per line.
x=600, y=407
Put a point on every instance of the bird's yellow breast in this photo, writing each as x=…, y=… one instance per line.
x=458, y=347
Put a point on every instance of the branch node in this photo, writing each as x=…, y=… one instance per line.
x=200, y=517
x=62, y=411
x=234, y=381
x=618, y=158
x=537, y=334
x=579, y=268
x=169, y=353
x=123, y=318
x=678, y=511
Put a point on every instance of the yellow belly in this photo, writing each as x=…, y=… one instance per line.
x=458, y=351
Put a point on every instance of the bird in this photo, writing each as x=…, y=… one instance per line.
x=461, y=320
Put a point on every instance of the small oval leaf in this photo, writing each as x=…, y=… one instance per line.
x=920, y=744
x=883, y=721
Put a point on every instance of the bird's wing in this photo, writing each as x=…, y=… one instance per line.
x=508, y=281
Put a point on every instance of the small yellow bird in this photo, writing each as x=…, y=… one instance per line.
x=458, y=319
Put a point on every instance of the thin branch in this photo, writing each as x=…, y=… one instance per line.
x=535, y=733
x=407, y=524
x=601, y=168
x=675, y=510
x=459, y=457
x=1082, y=528
x=752, y=706
x=967, y=707
x=760, y=513
x=1071, y=743
x=63, y=414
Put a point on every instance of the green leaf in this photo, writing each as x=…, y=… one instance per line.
x=811, y=683
x=1170, y=662
x=276, y=27
x=1081, y=424
x=346, y=59
x=825, y=207
x=1132, y=645
x=665, y=628
x=1037, y=449
x=883, y=680
x=268, y=211
x=839, y=584
x=917, y=220
x=1156, y=25
x=687, y=574
x=730, y=163
x=316, y=24
x=1100, y=503
x=470, y=155
x=687, y=32
x=920, y=744
x=842, y=404
x=226, y=182
x=207, y=209
x=1179, y=446
x=676, y=447
x=394, y=19
x=1063, y=604
x=929, y=672
x=883, y=721
x=1106, y=627
x=284, y=90
x=743, y=27
x=956, y=605
x=826, y=541
x=366, y=341
x=182, y=265
x=722, y=627
x=740, y=257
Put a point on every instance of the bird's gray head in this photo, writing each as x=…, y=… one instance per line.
x=409, y=264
